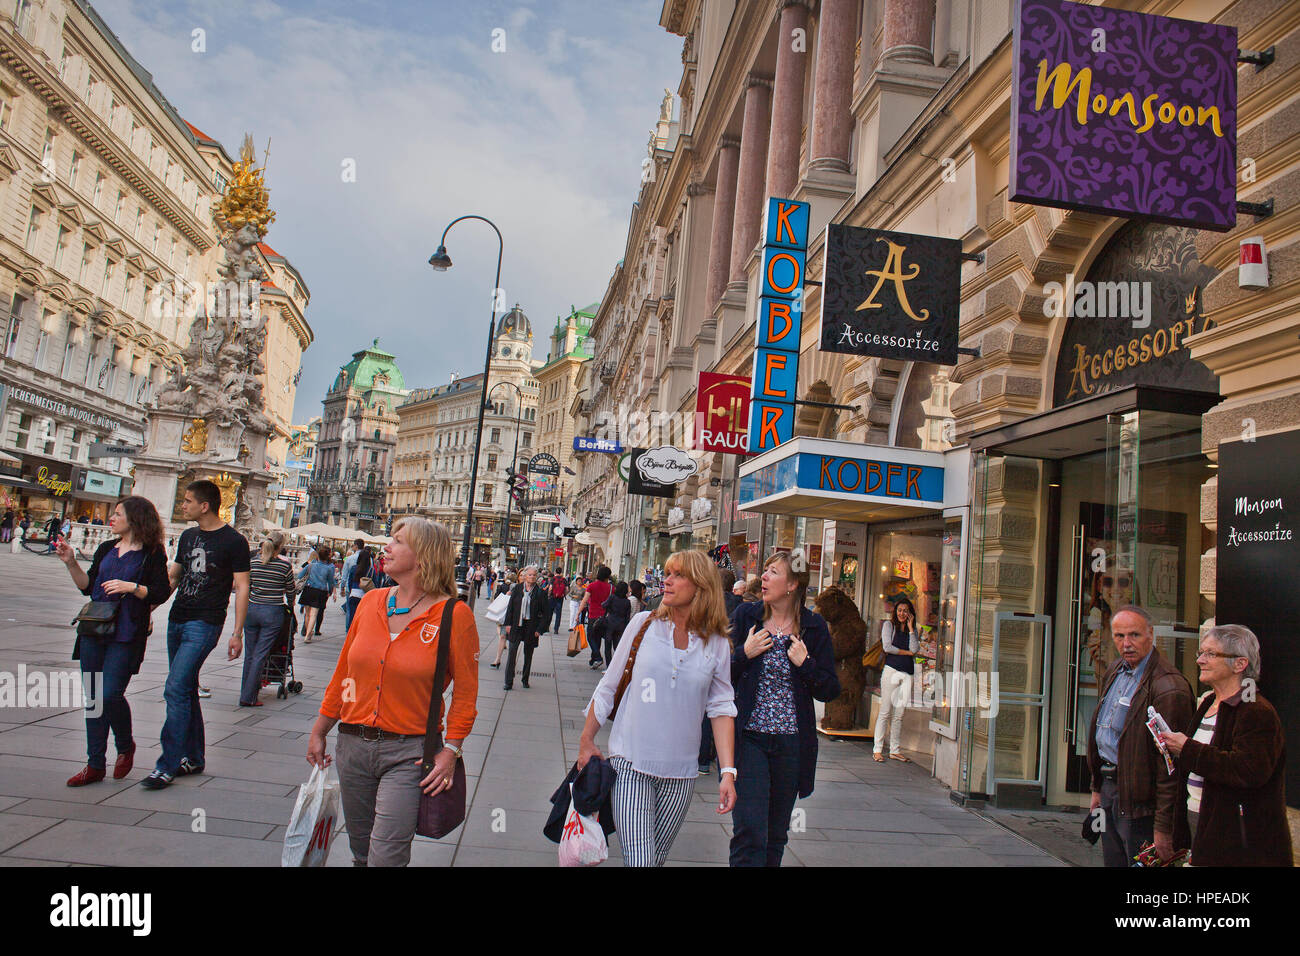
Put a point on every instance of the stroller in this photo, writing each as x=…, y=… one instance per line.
x=278, y=668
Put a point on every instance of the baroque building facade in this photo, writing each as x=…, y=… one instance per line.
x=106, y=248
x=358, y=435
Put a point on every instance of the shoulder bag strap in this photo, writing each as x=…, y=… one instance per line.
x=432, y=736
x=627, y=668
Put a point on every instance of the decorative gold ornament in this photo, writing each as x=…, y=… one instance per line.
x=229, y=486
x=246, y=200
x=195, y=439
x=243, y=452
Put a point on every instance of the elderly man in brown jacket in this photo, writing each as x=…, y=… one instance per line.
x=1142, y=801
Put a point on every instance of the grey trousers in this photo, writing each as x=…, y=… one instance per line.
x=380, y=784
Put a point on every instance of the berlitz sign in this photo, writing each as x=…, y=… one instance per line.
x=1124, y=114
x=891, y=294
x=605, y=446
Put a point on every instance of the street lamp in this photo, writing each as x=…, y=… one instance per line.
x=514, y=458
x=441, y=262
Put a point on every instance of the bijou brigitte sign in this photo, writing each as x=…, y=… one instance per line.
x=1124, y=114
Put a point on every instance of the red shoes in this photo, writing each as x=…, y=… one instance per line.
x=124, y=763
x=87, y=775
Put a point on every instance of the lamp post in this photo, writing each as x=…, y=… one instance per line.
x=514, y=458
x=441, y=262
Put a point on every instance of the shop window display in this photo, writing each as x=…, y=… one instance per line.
x=909, y=564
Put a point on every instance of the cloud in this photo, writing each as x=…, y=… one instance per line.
x=546, y=139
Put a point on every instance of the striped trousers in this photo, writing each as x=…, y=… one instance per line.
x=648, y=813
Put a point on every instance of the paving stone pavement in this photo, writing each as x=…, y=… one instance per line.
x=862, y=813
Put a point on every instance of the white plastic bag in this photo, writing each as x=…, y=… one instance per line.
x=315, y=815
x=583, y=841
x=496, y=611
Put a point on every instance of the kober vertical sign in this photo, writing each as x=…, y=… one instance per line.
x=780, y=324
x=1124, y=114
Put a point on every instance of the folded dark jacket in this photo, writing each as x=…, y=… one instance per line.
x=593, y=789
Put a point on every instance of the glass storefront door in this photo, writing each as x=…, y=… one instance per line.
x=1130, y=534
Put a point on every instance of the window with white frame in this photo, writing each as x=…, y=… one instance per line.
x=60, y=247
x=74, y=169
x=33, y=230
x=69, y=356
x=98, y=194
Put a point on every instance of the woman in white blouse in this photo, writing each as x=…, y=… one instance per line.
x=681, y=674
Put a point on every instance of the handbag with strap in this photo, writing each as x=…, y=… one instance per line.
x=97, y=619
x=626, y=679
x=444, y=811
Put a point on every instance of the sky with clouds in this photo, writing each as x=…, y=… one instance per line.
x=545, y=138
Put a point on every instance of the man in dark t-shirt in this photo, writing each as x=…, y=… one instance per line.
x=211, y=560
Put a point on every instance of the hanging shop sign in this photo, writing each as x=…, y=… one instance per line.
x=1124, y=114
x=779, y=325
x=603, y=445
x=1258, y=537
x=656, y=471
x=543, y=464
x=891, y=294
x=599, y=518
x=1127, y=319
x=722, y=413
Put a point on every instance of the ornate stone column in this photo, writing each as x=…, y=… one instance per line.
x=832, y=125
x=724, y=217
x=908, y=29
x=750, y=182
x=787, y=102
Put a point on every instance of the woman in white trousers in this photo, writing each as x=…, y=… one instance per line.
x=900, y=641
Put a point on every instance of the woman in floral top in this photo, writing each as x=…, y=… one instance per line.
x=781, y=663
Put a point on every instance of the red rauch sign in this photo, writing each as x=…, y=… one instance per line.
x=722, y=413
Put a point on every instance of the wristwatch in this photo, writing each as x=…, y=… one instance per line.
x=456, y=750
x=730, y=770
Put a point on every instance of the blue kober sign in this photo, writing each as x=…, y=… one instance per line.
x=779, y=325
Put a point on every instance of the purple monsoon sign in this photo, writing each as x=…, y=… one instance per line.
x=1124, y=114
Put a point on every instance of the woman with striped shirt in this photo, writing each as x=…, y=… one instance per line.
x=681, y=674
x=271, y=590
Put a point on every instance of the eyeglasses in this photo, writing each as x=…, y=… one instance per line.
x=1108, y=582
x=1217, y=654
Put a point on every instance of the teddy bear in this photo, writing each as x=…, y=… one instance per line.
x=848, y=641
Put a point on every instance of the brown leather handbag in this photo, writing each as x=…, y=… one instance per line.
x=445, y=811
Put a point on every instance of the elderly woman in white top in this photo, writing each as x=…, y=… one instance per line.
x=680, y=675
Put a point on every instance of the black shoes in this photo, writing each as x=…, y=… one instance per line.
x=525, y=683
x=188, y=768
x=157, y=780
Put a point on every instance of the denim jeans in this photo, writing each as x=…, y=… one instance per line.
x=105, y=672
x=188, y=645
x=349, y=609
x=261, y=630
x=766, y=789
x=1124, y=836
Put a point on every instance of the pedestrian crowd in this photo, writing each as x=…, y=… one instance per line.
x=721, y=670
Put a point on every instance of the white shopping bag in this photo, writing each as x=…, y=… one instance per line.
x=496, y=611
x=583, y=841
x=312, y=826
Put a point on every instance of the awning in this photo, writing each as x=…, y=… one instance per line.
x=1080, y=427
x=850, y=481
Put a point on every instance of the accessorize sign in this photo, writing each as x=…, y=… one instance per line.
x=891, y=294
x=1124, y=114
x=722, y=413
x=1257, y=550
x=779, y=326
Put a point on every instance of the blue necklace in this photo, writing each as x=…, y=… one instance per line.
x=392, y=604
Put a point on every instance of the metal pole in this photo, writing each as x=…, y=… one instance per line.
x=505, y=537
x=462, y=566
